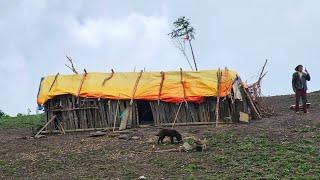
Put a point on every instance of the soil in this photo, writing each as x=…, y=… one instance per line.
x=76, y=155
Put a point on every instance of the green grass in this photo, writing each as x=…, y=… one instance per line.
x=229, y=156
x=26, y=121
x=234, y=157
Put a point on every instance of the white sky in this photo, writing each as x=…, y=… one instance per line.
x=100, y=35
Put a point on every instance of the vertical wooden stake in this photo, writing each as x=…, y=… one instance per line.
x=115, y=116
x=160, y=89
x=218, y=98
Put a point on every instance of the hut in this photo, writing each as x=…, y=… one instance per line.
x=120, y=100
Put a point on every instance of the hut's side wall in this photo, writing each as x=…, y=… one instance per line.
x=164, y=113
x=80, y=113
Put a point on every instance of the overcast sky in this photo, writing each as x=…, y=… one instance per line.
x=99, y=35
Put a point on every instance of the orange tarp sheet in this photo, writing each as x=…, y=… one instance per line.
x=194, y=85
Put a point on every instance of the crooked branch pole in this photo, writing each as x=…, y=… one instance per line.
x=73, y=69
x=108, y=78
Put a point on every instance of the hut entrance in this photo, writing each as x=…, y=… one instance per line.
x=145, y=112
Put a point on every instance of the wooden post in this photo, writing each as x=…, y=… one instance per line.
x=218, y=97
x=135, y=87
x=160, y=89
x=54, y=81
x=81, y=83
x=182, y=83
x=52, y=118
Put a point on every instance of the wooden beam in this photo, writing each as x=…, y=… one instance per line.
x=52, y=118
x=193, y=123
x=78, y=130
x=72, y=109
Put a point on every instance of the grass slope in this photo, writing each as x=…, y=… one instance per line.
x=26, y=121
x=229, y=157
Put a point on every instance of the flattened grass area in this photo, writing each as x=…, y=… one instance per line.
x=25, y=122
x=228, y=157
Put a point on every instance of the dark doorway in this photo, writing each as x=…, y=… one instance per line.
x=145, y=112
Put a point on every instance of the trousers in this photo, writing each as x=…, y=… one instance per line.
x=301, y=94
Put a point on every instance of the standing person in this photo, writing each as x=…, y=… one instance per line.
x=299, y=85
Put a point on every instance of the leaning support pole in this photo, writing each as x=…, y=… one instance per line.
x=52, y=118
x=115, y=116
x=253, y=107
x=176, y=117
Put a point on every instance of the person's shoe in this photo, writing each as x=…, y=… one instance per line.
x=306, y=112
x=297, y=112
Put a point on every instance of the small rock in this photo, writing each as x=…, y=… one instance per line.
x=135, y=137
x=124, y=136
x=142, y=177
x=186, y=147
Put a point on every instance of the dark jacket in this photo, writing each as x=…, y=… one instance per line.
x=300, y=83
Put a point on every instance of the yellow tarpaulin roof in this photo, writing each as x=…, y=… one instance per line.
x=166, y=86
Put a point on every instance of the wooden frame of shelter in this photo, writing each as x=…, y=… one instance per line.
x=80, y=114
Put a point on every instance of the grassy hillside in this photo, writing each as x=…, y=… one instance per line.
x=25, y=121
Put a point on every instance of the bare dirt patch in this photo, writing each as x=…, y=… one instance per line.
x=285, y=145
